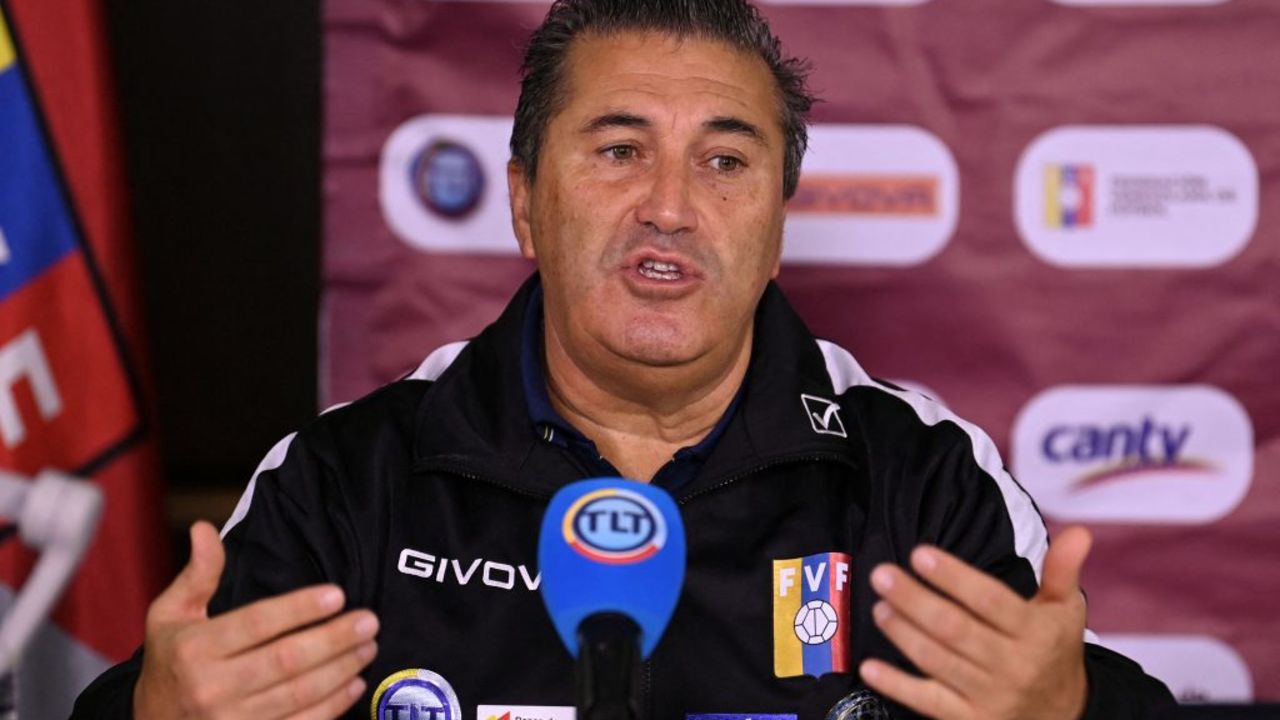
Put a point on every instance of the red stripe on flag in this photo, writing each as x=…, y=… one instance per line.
x=838, y=587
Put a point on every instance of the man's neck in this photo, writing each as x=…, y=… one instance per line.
x=639, y=417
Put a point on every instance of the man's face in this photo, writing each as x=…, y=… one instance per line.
x=656, y=216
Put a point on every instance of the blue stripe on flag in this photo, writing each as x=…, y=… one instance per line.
x=817, y=658
x=36, y=224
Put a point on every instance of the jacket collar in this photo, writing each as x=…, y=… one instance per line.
x=475, y=421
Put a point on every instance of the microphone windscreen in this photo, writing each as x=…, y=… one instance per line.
x=611, y=545
x=861, y=704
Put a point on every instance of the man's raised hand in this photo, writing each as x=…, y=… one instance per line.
x=985, y=651
x=271, y=659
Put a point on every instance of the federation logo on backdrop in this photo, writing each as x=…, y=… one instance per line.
x=415, y=694
x=614, y=526
x=1068, y=196
x=448, y=178
x=872, y=195
x=811, y=608
x=1160, y=454
x=1136, y=196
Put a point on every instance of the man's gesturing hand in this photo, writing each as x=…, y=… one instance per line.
x=264, y=660
x=986, y=652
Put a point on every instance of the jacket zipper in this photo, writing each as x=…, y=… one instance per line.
x=768, y=465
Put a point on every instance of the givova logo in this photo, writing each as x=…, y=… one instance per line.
x=1126, y=196
x=1162, y=454
x=1197, y=668
x=872, y=195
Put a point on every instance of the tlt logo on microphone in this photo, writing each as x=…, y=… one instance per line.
x=614, y=526
x=811, y=615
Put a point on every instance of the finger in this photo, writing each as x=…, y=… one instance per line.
x=927, y=697
x=295, y=654
x=187, y=597
x=942, y=619
x=243, y=628
x=1061, y=577
x=931, y=657
x=336, y=704
x=989, y=599
x=301, y=692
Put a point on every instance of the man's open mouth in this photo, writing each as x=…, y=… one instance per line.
x=657, y=270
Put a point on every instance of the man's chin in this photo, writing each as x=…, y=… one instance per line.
x=658, y=347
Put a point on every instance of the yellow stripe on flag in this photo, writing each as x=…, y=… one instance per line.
x=6, y=46
x=1053, y=196
x=788, y=656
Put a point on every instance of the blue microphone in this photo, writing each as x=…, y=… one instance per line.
x=612, y=557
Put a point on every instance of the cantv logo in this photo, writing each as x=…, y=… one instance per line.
x=1161, y=454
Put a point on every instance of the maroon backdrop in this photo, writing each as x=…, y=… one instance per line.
x=1062, y=218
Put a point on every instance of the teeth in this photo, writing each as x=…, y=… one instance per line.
x=655, y=270
x=661, y=266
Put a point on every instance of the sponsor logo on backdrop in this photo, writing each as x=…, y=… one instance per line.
x=525, y=712
x=415, y=693
x=1159, y=454
x=872, y=195
x=1136, y=196
x=769, y=2
x=1197, y=668
x=448, y=178
x=436, y=176
x=1140, y=3
x=811, y=605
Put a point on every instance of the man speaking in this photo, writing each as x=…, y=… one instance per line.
x=842, y=533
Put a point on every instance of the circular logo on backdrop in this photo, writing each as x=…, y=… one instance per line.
x=615, y=526
x=415, y=693
x=447, y=178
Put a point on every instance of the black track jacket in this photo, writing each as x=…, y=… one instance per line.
x=443, y=468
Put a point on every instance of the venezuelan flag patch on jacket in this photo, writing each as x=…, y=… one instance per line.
x=811, y=607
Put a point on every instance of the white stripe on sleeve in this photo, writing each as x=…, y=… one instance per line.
x=1031, y=540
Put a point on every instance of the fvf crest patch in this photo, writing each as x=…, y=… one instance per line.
x=811, y=608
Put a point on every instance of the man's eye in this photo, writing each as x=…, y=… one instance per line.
x=726, y=163
x=620, y=152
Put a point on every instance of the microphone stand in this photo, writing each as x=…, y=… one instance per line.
x=58, y=515
x=608, y=667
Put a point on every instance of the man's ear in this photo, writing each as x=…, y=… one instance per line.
x=519, y=189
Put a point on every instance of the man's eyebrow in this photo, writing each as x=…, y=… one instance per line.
x=736, y=126
x=614, y=120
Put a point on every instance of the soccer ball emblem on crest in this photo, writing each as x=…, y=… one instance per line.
x=816, y=622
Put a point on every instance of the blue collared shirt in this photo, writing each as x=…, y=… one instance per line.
x=553, y=428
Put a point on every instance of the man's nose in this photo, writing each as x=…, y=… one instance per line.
x=668, y=205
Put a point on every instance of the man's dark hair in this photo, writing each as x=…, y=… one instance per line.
x=733, y=22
